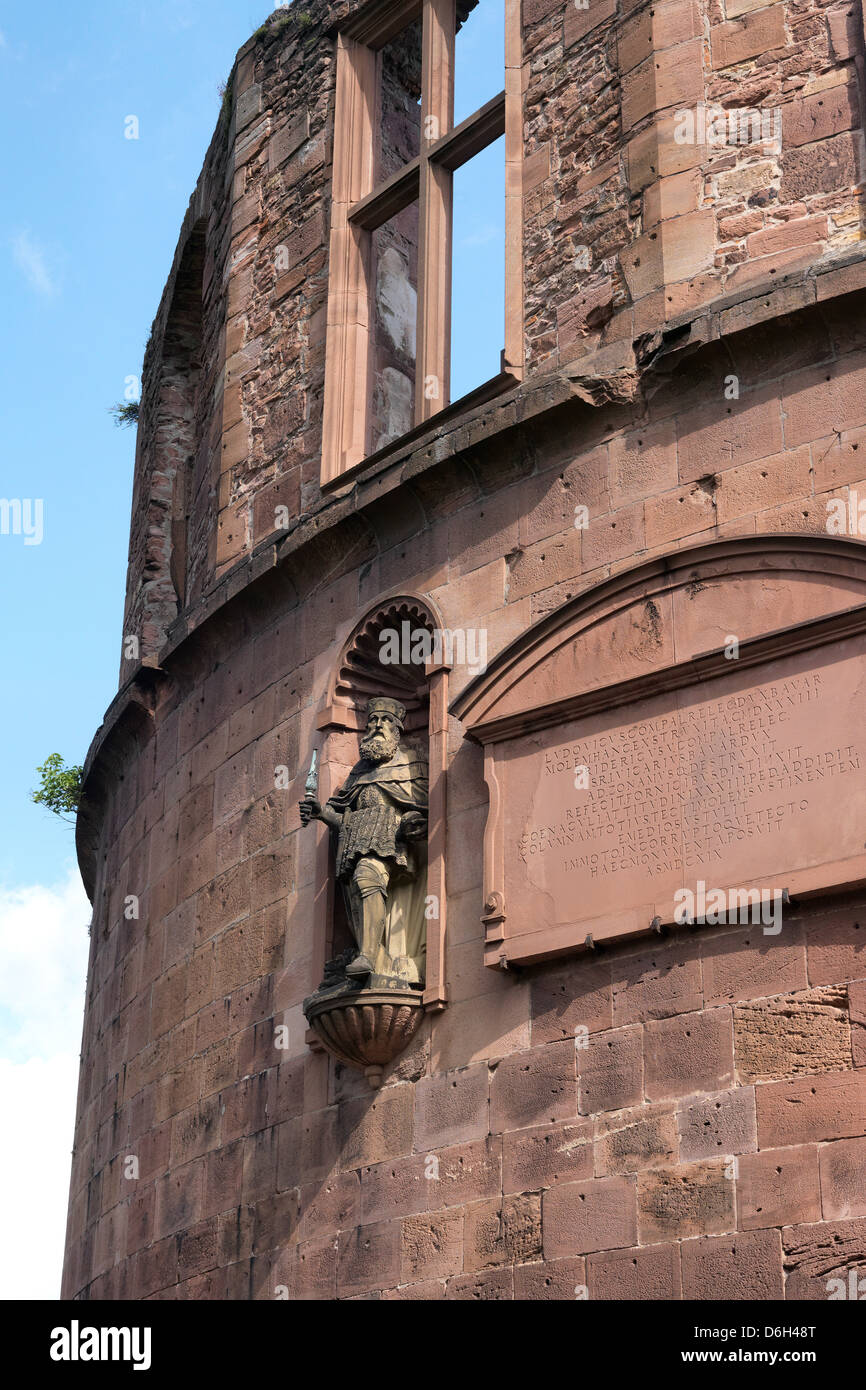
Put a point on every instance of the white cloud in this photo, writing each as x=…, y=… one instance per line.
x=43, y=961
x=30, y=259
x=38, y=1105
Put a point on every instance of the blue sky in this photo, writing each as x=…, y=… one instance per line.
x=88, y=227
x=86, y=241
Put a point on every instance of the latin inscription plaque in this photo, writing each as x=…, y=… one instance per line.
x=745, y=781
x=643, y=766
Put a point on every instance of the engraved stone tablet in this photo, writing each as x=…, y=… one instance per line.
x=740, y=769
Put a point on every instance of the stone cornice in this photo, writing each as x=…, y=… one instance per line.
x=619, y=373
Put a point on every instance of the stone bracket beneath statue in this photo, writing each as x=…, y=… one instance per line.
x=365, y=1028
x=651, y=737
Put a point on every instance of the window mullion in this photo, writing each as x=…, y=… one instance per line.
x=434, y=249
x=472, y=135
x=512, y=358
x=389, y=198
x=348, y=313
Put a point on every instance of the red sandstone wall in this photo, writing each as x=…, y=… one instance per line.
x=608, y=1167
x=625, y=229
x=668, y=224
x=252, y=1158
x=262, y=203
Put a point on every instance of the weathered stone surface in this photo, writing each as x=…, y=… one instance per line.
x=792, y=1034
x=529, y=1088
x=806, y=1108
x=741, y=1266
x=507, y=1232
x=490, y=1286
x=659, y=982
x=595, y=1215
x=651, y=1272
x=536, y=1158
x=747, y=37
x=675, y=1203
x=843, y=1179
x=367, y=1258
x=778, y=1187
x=826, y=1260
x=626, y=1088
x=610, y=1071
x=550, y=1280
x=432, y=1247
x=689, y=1053
x=724, y=1123
x=821, y=168
x=644, y=1137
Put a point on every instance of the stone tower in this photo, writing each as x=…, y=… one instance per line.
x=613, y=603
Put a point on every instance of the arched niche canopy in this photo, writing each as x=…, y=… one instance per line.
x=401, y=627
x=694, y=720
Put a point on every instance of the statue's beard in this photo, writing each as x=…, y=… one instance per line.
x=379, y=747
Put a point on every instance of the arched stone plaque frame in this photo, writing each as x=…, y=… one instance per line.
x=668, y=726
x=423, y=689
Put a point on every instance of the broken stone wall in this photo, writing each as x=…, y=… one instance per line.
x=679, y=153
x=707, y=1140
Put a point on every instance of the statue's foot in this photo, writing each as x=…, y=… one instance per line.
x=404, y=968
x=359, y=968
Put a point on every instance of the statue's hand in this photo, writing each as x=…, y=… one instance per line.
x=310, y=809
x=413, y=826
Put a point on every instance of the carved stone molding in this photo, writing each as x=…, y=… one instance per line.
x=360, y=673
x=654, y=737
x=367, y=1028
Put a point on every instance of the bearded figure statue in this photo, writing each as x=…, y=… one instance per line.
x=379, y=821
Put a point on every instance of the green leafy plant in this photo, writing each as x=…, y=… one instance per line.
x=125, y=413
x=280, y=19
x=60, y=787
x=226, y=91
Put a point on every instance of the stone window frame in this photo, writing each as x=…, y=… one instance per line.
x=359, y=206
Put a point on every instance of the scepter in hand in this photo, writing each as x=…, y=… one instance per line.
x=311, y=808
x=311, y=786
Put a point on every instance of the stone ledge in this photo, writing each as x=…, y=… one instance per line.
x=616, y=373
x=612, y=374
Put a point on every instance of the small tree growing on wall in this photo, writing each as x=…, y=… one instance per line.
x=125, y=413
x=60, y=787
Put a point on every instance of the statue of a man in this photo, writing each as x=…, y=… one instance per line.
x=379, y=817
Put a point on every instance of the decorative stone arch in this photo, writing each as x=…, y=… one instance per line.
x=360, y=673
x=674, y=644
x=423, y=688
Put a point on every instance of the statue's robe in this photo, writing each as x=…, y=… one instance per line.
x=370, y=804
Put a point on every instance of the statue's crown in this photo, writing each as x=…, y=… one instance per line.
x=382, y=704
